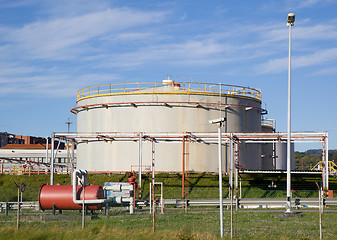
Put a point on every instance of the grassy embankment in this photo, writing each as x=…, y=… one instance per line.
x=198, y=185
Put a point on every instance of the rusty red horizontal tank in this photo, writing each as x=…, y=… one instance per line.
x=62, y=197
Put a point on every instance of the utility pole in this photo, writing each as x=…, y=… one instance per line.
x=69, y=123
x=290, y=23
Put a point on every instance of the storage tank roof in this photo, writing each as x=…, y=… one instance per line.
x=168, y=88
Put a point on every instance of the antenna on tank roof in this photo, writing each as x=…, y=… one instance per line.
x=68, y=123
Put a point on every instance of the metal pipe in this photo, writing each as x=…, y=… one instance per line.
x=140, y=164
x=280, y=136
x=82, y=174
x=38, y=166
x=183, y=172
x=240, y=187
x=68, y=158
x=220, y=179
x=327, y=163
x=320, y=213
x=162, y=198
x=153, y=176
x=231, y=180
x=72, y=156
x=47, y=139
x=75, y=110
x=236, y=174
x=83, y=203
x=322, y=167
x=231, y=162
x=150, y=196
x=288, y=205
x=18, y=212
x=52, y=160
x=57, y=148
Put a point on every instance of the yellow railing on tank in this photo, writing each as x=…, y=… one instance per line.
x=168, y=87
x=268, y=122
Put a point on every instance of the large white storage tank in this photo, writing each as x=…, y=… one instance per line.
x=165, y=107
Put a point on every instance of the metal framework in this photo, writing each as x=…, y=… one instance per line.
x=320, y=164
x=25, y=166
x=206, y=138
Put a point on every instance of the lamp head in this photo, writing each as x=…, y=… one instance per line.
x=217, y=121
x=290, y=19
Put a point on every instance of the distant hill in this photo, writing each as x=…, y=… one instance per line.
x=317, y=151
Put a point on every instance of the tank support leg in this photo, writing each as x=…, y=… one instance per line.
x=107, y=209
x=6, y=209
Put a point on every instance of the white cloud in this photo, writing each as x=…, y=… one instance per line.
x=44, y=85
x=63, y=8
x=326, y=71
x=272, y=66
x=55, y=38
x=316, y=32
x=17, y=3
x=307, y=3
x=315, y=59
x=186, y=53
x=126, y=38
x=11, y=69
x=299, y=4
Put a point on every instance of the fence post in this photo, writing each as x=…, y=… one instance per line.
x=6, y=208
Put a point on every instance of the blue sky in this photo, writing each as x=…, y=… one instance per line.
x=50, y=49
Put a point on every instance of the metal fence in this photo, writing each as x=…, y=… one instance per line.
x=7, y=206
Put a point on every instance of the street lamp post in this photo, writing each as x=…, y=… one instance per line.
x=219, y=122
x=290, y=23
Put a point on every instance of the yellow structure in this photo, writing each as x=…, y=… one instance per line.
x=332, y=166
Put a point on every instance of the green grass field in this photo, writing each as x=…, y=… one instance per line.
x=176, y=225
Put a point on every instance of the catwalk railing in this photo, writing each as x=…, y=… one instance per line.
x=167, y=88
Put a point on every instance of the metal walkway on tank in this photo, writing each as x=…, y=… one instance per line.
x=168, y=86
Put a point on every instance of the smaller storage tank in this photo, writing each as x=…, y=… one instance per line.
x=268, y=149
x=281, y=156
x=61, y=196
x=274, y=155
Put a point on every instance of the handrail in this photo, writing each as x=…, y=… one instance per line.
x=265, y=122
x=331, y=166
x=172, y=87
